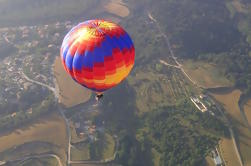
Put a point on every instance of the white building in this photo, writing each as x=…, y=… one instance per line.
x=198, y=104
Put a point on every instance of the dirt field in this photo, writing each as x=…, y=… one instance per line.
x=247, y=109
x=70, y=93
x=206, y=75
x=243, y=135
x=227, y=151
x=117, y=7
x=50, y=128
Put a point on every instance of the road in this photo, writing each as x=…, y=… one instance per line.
x=88, y=106
x=38, y=156
x=178, y=66
x=231, y=133
x=61, y=111
x=40, y=83
x=167, y=64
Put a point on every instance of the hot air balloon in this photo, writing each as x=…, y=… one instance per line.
x=98, y=55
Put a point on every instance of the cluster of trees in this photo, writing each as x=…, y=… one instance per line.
x=180, y=134
x=132, y=152
x=175, y=133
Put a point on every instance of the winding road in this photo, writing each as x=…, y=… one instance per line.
x=61, y=111
x=231, y=133
x=179, y=66
x=87, y=107
x=38, y=156
x=40, y=83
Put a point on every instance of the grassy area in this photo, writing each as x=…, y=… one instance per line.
x=109, y=147
x=49, y=128
x=103, y=148
x=157, y=85
x=227, y=151
x=32, y=148
x=229, y=101
x=80, y=152
x=205, y=74
x=71, y=93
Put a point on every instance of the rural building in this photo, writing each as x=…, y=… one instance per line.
x=198, y=104
x=13, y=114
x=217, y=158
x=217, y=161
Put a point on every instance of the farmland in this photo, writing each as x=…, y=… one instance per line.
x=229, y=100
x=247, y=110
x=152, y=105
x=117, y=7
x=159, y=85
x=205, y=74
x=50, y=128
x=227, y=152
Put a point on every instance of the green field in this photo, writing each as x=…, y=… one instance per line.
x=80, y=151
x=155, y=88
x=103, y=148
x=207, y=75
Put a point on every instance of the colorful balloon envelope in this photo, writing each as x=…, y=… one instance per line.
x=98, y=54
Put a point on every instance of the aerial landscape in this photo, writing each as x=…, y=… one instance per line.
x=186, y=101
